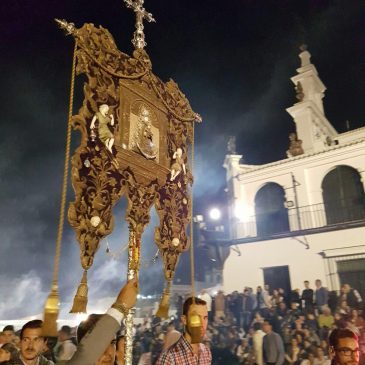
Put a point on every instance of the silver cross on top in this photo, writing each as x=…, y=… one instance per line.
x=141, y=14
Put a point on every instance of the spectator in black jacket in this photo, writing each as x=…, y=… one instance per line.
x=307, y=297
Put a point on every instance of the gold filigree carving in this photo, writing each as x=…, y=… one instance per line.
x=97, y=185
x=98, y=45
x=173, y=208
x=174, y=100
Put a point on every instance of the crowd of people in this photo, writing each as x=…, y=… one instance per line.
x=263, y=327
x=302, y=319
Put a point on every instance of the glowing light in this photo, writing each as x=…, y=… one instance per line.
x=215, y=214
x=243, y=212
x=81, y=317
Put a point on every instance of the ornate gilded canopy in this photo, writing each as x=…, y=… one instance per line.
x=136, y=137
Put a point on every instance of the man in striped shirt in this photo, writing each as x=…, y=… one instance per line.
x=185, y=352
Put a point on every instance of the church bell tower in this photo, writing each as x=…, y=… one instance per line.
x=312, y=126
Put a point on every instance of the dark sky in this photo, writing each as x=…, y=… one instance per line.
x=233, y=59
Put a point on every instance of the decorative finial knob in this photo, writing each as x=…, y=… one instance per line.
x=68, y=27
x=303, y=47
x=305, y=56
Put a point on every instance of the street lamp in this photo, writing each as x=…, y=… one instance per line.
x=215, y=214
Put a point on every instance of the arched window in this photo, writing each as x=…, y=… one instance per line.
x=343, y=195
x=271, y=214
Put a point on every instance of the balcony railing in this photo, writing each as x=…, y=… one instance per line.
x=331, y=216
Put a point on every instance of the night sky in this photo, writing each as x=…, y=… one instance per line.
x=233, y=60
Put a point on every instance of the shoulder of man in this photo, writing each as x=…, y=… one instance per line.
x=357, y=294
x=15, y=361
x=278, y=339
x=166, y=357
x=45, y=361
x=206, y=351
x=69, y=343
x=170, y=352
x=175, y=346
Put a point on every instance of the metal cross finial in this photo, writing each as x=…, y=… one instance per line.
x=141, y=14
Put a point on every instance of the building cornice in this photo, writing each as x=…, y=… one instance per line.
x=249, y=169
x=352, y=131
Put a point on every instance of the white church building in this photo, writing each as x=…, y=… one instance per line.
x=301, y=218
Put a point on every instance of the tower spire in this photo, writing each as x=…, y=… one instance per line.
x=312, y=126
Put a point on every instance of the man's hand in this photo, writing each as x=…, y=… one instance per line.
x=128, y=295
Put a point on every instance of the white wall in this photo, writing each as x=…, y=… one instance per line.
x=246, y=270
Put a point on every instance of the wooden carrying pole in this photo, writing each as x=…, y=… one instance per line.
x=134, y=247
x=194, y=319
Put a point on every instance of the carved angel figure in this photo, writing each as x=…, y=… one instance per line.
x=178, y=165
x=105, y=135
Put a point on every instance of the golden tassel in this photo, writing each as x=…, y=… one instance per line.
x=195, y=327
x=80, y=300
x=51, y=310
x=163, y=309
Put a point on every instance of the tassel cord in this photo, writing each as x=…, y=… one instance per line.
x=51, y=308
x=65, y=175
